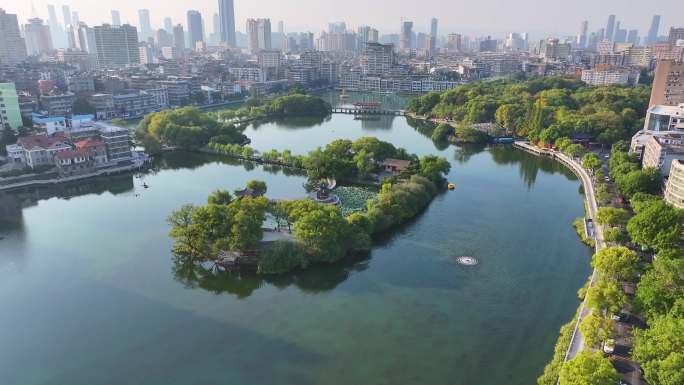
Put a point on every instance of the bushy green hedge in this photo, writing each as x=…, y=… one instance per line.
x=281, y=257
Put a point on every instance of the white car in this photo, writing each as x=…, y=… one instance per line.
x=609, y=346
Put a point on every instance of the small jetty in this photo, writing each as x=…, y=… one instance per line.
x=465, y=260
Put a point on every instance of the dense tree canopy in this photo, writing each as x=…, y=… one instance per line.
x=617, y=263
x=657, y=225
x=542, y=108
x=186, y=128
x=660, y=350
x=588, y=368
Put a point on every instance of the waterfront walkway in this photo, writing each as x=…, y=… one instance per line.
x=577, y=341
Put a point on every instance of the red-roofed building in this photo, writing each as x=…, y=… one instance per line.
x=97, y=146
x=75, y=162
x=40, y=150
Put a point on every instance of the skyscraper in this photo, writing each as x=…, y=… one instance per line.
x=675, y=35
x=653, y=31
x=227, y=16
x=582, y=36
x=215, y=37
x=66, y=13
x=195, y=28
x=116, y=18
x=258, y=34
x=145, y=25
x=56, y=30
x=12, y=45
x=433, y=27
x=117, y=46
x=168, y=25
x=406, y=35
x=179, y=38
x=281, y=27
x=74, y=18
x=37, y=36
x=610, y=28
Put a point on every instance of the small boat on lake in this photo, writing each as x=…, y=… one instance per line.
x=451, y=186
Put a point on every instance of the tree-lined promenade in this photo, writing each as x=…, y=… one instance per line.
x=653, y=225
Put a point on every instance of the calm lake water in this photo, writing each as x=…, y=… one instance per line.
x=90, y=292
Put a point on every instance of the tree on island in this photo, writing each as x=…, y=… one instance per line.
x=257, y=186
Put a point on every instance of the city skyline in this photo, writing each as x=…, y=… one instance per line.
x=492, y=17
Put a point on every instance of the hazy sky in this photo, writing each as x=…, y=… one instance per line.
x=539, y=17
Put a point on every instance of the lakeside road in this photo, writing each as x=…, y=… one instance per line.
x=577, y=341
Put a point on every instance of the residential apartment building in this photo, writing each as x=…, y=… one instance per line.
x=668, y=84
x=12, y=45
x=661, y=151
x=611, y=76
x=117, y=141
x=674, y=190
x=258, y=35
x=10, y=114
x=37, y=36
x=57, y=104
x=377, y=58
x=38, y=150
x=117, y=46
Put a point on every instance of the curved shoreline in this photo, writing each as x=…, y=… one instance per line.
x=576, y=341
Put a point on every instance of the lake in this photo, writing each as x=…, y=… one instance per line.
x=90, y=292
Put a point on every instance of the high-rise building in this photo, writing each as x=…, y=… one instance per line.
x=433, y=27
x=37, y=36
x=145, y=25
x=179, y=38
x=633, y=36
x=74, y=18
x=227, y=16
x=163, y=38
x=406, y=35
x=66, y=14
x=85, y=39
x=12, y=45
x=653, y=31
x=168, y=25
x=610, y=27
x=339, y=27
x=582, y=36
x=377, y=58
x=258, y=34
x=10, y=115
x=454, y=41
x=668, y=84
x=281, y=27
x=117, y=46
x=56, y=30
x=195, y=28
x=215, y=36
x=116, y=18
x=675, y=35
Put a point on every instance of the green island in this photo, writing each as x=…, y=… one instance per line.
x=307, y=231
x=189, y=128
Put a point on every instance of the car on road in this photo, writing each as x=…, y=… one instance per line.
x=609, y=346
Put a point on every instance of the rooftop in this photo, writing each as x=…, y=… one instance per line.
x=41, y=141
x=73, y=154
